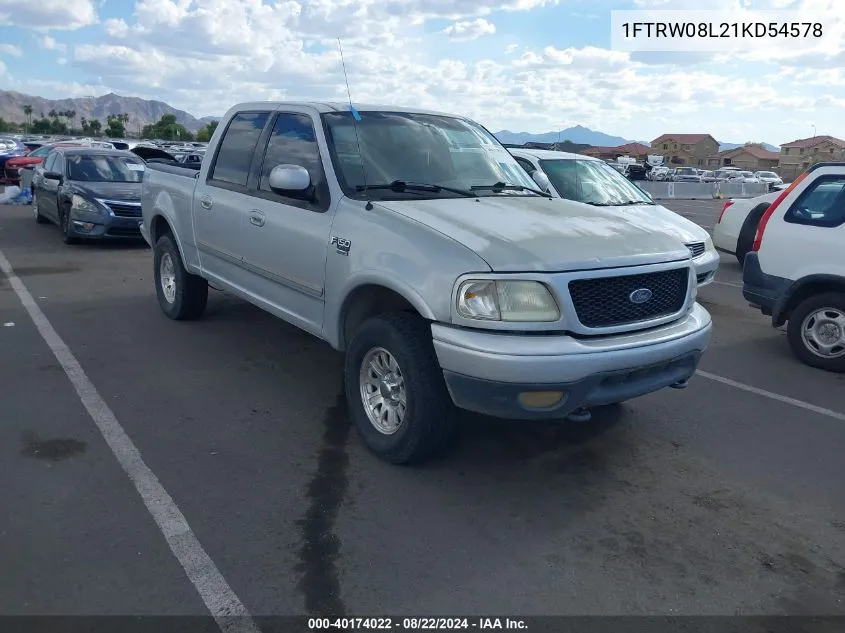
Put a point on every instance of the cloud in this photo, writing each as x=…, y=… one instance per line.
x=205, y=55
x=46, y=15
x=11, y=50
x=50, y=44
x=467, y=31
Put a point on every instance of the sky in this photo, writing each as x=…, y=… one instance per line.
x=521, y=65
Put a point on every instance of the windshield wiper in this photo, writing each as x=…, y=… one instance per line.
x=400, y=186
x=631, y=202
x=501, y=186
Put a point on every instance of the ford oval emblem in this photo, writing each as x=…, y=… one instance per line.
x=641, y=295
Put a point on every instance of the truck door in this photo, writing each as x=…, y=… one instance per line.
x=222, y=200
x=286, y=235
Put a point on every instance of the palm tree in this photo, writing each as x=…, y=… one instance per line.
x=71, y=114
x=52, y=114
x=27, y=110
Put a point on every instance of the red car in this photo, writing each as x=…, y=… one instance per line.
x=11, y=175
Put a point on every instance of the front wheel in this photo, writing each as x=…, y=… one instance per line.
x=816, y=331
x=395, y=389
x=64, y=223
x=181, y=295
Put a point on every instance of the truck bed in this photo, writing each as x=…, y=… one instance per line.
x=174, y=168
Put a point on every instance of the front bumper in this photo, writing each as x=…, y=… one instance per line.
x=706, y=266
x=104, y=226
x=486, y=372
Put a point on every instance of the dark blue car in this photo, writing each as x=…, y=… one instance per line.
x=89, y=193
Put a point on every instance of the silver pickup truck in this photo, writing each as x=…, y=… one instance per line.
x=415, y=243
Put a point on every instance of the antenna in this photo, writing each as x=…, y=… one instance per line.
x=355, y=118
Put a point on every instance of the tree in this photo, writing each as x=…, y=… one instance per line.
x=94, y=127
x=53, y=114
x=167, y=129
x=42, y=125
x=204, y=134
x=71, y=114
x=116, y=126
x=27, y=110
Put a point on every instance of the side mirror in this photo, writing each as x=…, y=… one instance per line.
x=542, y=180
x=288, y=179
x=53, y=175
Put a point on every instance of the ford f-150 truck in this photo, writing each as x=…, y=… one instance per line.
x=414, y=242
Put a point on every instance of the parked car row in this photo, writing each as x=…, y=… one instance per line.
x=724, y=174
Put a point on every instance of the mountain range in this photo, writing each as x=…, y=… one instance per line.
x=581, y=134
x=143, y=111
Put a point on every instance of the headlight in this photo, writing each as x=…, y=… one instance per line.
x=708, y=244
x=84, y=204
x=506, y=301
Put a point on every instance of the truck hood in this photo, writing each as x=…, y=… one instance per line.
x=521, y=233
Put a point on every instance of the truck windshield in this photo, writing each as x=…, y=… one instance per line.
x=592, y=182
x=418, y=148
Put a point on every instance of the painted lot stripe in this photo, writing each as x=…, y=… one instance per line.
x=229, y=612
x=773, y=396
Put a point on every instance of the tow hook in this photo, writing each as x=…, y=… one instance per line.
x=681, y=384
x=580, y=415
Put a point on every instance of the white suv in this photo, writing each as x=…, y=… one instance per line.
x=795, y=271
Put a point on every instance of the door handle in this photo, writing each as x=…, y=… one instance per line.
x=256, y=218
x=206, y=202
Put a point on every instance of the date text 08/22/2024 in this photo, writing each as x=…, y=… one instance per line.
x=416, y=624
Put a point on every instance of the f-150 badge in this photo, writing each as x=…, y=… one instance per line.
x=342, y=244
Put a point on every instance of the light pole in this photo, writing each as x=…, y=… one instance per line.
x=814, y=131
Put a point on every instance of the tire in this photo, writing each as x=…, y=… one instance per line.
x=186, y=295
x=39, y=219
x=429, y=420
x=64, y=225
x=808, y=312
x=748, y=231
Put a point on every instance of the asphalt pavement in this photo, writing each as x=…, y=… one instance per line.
x=725, y=498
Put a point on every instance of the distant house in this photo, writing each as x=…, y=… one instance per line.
x=749, y=157
x=685, y=149
x=637, y=151
x=798, y=155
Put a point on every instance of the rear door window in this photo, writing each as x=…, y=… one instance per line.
x=822, y=204
x=237, y=148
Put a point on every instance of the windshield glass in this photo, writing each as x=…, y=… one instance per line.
x=418, y=148
x=767, y=174
x=103, y=168
x=593, y=182
x=685, y=171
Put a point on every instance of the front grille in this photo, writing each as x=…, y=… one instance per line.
x=606, y=301
x=696, y=248
x=127, y=210
x=702, y=277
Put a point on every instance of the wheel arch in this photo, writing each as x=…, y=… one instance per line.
x=801, y=290
x=371, y=298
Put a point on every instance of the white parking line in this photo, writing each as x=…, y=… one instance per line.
x=773, y=396
x=229, y=612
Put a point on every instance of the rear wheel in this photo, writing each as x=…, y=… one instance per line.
x=748, y=231
x=395, y=389
x=181, y=295
x=39, y=219
x=816, y=331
